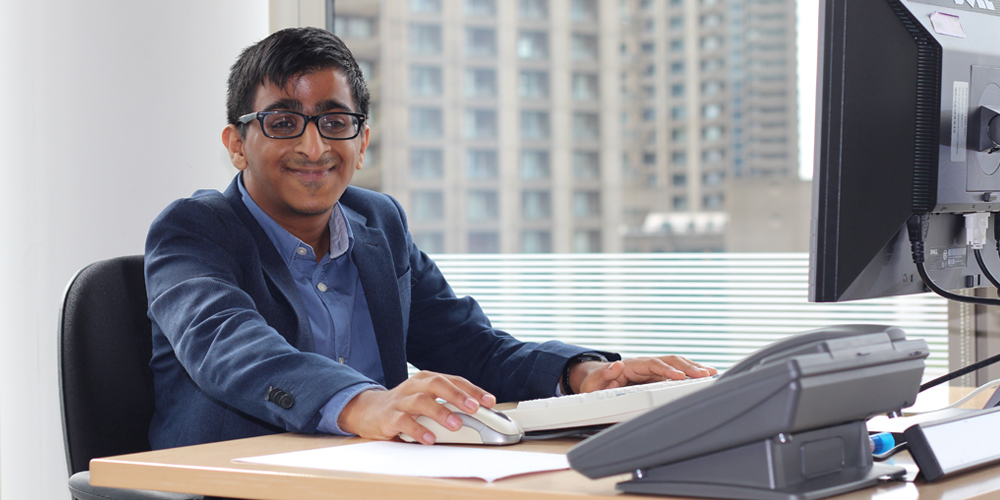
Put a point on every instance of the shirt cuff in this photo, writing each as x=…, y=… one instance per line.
x=330, y=412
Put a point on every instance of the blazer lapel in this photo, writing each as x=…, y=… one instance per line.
x=373, y=259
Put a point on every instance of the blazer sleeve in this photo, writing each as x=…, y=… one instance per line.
x=214, y=304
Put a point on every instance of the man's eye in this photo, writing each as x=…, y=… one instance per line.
x=335, y=123
x=283, y=123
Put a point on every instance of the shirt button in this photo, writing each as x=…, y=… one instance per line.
x=300, y=250
x=322, y=287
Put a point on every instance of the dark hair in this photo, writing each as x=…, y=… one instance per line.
x=284, y=55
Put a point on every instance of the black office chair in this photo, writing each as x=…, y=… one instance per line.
x=105, y=384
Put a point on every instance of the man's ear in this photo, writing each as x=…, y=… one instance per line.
x=365, y=136
x=233, y=142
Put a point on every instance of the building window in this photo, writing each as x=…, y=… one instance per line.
x=679, y=180
x=678, y=112
x=677, y=67
x=586, y=241
x=711, y=20
x=586, y=204
x=586, y=126
x=711, y=111
x=427, y=206
x=534, y=125
x=586, y=165
x=480, y=124
x=648, y=48
x=425, y=39
x=584, y=86
x=677, y=90
x=714, y=64
x=649, y=115
x=533, y=45
x=367, y=69
x=425, y=81
x=426, y=164
x=711, y=87
x=533, y=9
x=480, y=42
x=425, y=6
x=481, y=164
x=677, y=45
x=480, y=8
x=678, y=158
x=713, y=201
x=713, y=178
x=536, y=205
x=354, y=27
x=583, y=47
x=480, y=82
x=429, y=242
x=533, y=85
x=483, y=206
x=534, y=164
x=678, y=134
x=676, y=22
x=649, y=158
x=536, y=242
x=710, y=43
x=484, y=243
x=680, y=202
x=583, y=10
x=711, y=133
x=426, y=123
x=712, y=156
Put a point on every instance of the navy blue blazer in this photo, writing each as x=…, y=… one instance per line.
x=229, y=324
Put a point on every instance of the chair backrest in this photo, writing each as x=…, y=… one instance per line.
x=105, y=344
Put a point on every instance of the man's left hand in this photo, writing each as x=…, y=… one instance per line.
x=590, y=376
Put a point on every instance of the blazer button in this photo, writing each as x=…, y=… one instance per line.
x=279, y=397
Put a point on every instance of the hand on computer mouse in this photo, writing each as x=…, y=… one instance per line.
x=484, y=426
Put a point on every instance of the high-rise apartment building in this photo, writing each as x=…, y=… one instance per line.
x=573, y=125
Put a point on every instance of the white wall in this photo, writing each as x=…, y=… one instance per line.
x=111, y=109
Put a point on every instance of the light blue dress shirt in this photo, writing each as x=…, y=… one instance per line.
x=334, y=300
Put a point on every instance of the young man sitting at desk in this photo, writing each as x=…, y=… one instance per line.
x=292, y=302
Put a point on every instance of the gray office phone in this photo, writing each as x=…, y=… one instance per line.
x=787, y=422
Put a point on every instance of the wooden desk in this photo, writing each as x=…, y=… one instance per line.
x=209, y=470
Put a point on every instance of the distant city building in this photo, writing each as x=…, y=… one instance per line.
x=573, y=125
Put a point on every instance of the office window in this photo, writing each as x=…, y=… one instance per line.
x=649, y=115
x=583, y=10
x=586, y=126
x=649, y=91
x=651, y=70
x=425, y=39
x=677, y=90
x=713, y=201
x=536, y=242
x=481, y=164
x=648, y=48
x=586, y=241
x=677, y=67
x=711, y=156
x=583, y=47
x=678, y=158
x=680, y=202
x=649, y=158
x=586, y=165
x=426, y=123
x=484, y=242
x=534, y=125
x=426, y=164
x=678, y=135
x=534, y=164
x=646, y=5
x=425, y=81
x=586, y=204
x=711, y=111
x=480, y=42
x=429, y=242
x=710, y=43
x=533, y=9
x=533, y=84
x=585, y=86
x=354, y=27
x=677, y=45
x=711, y=20
x=679, y=180
x=480, y=82
x=536, y=205
x=483, y=205
x=480, y=8
x=711, y=87
x=425, y=6
x=480, y=124
x=678, y=112
x=714, y=64
x=427, y=206
x=533, y=45
x=676, y=23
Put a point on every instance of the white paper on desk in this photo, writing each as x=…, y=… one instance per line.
x=407, y=459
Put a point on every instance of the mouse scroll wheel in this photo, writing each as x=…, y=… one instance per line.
x=503, y=416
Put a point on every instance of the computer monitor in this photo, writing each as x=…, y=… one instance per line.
x=906, y=91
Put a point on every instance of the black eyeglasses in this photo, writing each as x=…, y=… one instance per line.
x=339, y=125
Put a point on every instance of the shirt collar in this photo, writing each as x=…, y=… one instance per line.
x=341, y=234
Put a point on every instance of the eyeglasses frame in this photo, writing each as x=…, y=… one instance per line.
x=259, y=115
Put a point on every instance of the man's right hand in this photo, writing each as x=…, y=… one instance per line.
x=385, y=414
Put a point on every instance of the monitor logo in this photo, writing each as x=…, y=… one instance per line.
x=981, y=4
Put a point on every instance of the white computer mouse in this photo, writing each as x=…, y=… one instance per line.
x=485, y=426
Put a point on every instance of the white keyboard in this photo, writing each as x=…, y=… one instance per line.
x=608, y=406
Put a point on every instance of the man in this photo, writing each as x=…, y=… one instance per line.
x=292, y=302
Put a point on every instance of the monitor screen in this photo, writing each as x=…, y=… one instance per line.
x=907, y=90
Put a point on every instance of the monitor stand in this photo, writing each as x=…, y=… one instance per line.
x=801, y=466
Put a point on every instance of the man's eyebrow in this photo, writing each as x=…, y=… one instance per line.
x=285, y=104
x=331, y=105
